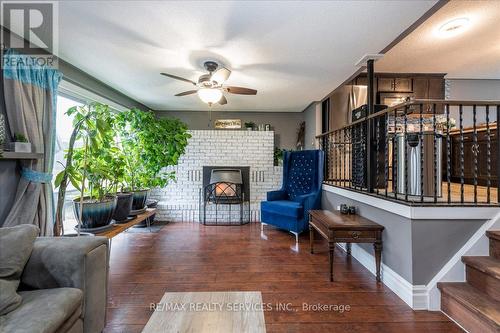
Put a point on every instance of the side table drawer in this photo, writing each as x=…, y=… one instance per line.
x=355, y=234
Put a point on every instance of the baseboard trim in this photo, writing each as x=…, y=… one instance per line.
x=413, y=295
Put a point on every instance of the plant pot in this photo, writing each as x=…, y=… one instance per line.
x=95, y=214
x=150, y=203
x=123, y=206
x=20, y=147
x=139, y=199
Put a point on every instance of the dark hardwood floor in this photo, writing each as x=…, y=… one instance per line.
x=190, y=257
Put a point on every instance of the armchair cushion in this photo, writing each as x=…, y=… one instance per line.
x=276, y=195
x=16, y=244
x=283, y=207
x=77, y=263
x=44, y=311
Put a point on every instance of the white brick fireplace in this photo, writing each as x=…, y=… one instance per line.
x=179, y=201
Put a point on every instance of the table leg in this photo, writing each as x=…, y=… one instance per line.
x=331, y=250
x=348, y=248
x=378, y=256
x=311, y=238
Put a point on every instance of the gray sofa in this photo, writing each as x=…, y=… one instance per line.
x=63, y=287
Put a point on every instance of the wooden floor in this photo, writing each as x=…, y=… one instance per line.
x=455, y=194
x=189, y=257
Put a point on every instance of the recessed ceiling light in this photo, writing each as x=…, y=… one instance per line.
x=454, y=27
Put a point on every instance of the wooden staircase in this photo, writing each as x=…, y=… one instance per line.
x=475, y=304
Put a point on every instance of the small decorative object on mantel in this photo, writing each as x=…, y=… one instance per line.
x=20, y=144
x=344, y=209
x=262, y=127
x=267, y=127
x=228, y=123
x=250, y=125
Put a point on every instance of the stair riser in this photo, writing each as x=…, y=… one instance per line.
x=495, y=248
x=467, y=319
x=484, y=282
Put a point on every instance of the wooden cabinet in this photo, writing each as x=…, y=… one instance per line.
x=394, y=84
x=402, y=84
x=429, y=88
x=470, y=151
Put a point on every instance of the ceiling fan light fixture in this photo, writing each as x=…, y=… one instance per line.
x=454, y=27
x=209, y=95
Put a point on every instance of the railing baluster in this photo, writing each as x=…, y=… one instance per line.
x=386, y=154
x=405, y=151
x=421, y=144
x=461, y=116
x=448, y=151
x=344, y=156
x=335, y=158
x=395, y=156
x=435, y=160
x=488, y=155
x=475, y=151
x=377, y=178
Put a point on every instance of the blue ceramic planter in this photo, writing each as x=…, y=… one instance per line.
x=123, y=206
x=95, y=214
x=139, y=199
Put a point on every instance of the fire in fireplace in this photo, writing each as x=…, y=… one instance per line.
x=225, y=182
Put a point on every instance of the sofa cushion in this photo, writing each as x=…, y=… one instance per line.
x=44, y=310
x=16, y=246
x=283, y=207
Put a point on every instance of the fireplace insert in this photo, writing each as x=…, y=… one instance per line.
x=224, y=187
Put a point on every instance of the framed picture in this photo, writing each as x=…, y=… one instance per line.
x=228, y=123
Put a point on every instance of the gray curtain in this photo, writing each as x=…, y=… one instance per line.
x=30, y=101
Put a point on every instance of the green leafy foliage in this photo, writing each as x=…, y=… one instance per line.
x=96, y=167
x=18, y=137
x=149, y=146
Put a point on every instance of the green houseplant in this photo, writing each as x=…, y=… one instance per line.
x=94, y=169
x=149, y=145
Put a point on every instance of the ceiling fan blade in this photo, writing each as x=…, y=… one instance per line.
x=179, y=78
x=223, y=100
x=221, y=75
x=189, y=92
x=240, y=90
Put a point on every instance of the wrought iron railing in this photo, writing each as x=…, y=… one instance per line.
x=422, y=152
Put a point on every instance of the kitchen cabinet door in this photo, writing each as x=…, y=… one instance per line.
x=385, y=84
x=436, y=88
x=402, y=84
x=421, y=88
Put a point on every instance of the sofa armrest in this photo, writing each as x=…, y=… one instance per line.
x=276, y=195
x=73, y=262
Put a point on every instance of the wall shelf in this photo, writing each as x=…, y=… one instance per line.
x=11, y=155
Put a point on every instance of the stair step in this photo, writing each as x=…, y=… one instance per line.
x=485, y=264
x=483, y=278
x=472, y=309
x=494, y=236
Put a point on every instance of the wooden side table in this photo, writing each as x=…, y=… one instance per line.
x=339, y=228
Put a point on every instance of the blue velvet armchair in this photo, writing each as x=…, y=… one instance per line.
x=288, y=208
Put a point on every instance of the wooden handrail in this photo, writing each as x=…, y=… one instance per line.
x=411, y=103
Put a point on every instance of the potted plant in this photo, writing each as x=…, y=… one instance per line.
x=92, y=167
x=20, y=144
x=250, y=125
x=149, y=145
x=278, y=156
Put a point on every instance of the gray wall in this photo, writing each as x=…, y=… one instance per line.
x=284, y=124
x=415, y=249
x=310, y=117
x=470, y=90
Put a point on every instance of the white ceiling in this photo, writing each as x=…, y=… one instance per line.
x=292, y=52
x=473, y=54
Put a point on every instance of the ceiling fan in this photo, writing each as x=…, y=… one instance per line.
x=210, y=87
